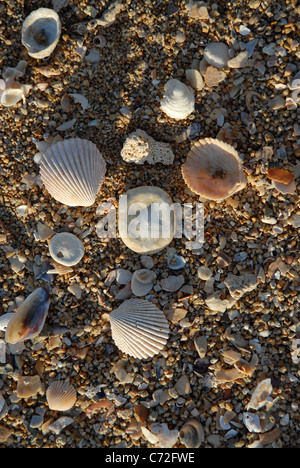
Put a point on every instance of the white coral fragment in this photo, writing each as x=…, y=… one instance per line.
x=140, y=148
x=11, y=91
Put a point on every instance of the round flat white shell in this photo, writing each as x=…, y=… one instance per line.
x=66, y=249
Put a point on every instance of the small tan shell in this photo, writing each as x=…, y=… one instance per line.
x=213, y=169
x=61, y=396
x=139, y=328
x=192, y=434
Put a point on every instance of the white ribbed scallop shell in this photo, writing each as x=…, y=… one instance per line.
x=139, y=328
x=61, y=396
x=73, y=171
x=179, y=100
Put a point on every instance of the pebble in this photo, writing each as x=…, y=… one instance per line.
x=201, y=345
x=276, y=103
x=147, y=262
x=183, y=386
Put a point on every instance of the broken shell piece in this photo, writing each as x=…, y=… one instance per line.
x=40, y=32
x=230, y=356
x=281, y=175
x=28, y=386
x=61, y=396
x=252, y=422
x=238, y=285
x=166, y=437
x=66, y=249
x=142, y=281
x=172, y=283
x=11, y=96
x=179, y=100
x=82, y=100
x=239, y=61
x=213, y=76
x=261, y=394
x=139, y=328
x=73, y=171
x=213, y=169
x=223, y=260
x=247, y=367
x=216, y=303
x=229, y=375
x=217, y=54
x=28, y=321
x=99, y=41
x=191, y=434
x=283, y=188
x=152, y=229
x=139, y=148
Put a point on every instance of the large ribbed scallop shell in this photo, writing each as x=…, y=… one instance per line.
x=139, y=328
x=213, y=169
x=61, y=396
x=179, y=100
x=73, y=171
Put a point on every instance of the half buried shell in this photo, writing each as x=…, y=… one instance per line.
x=30, y=318
x=139, y=328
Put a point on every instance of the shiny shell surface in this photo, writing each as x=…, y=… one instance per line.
x=139, y=328
x=61, y=396
x=73, y=171
x=28, y=321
